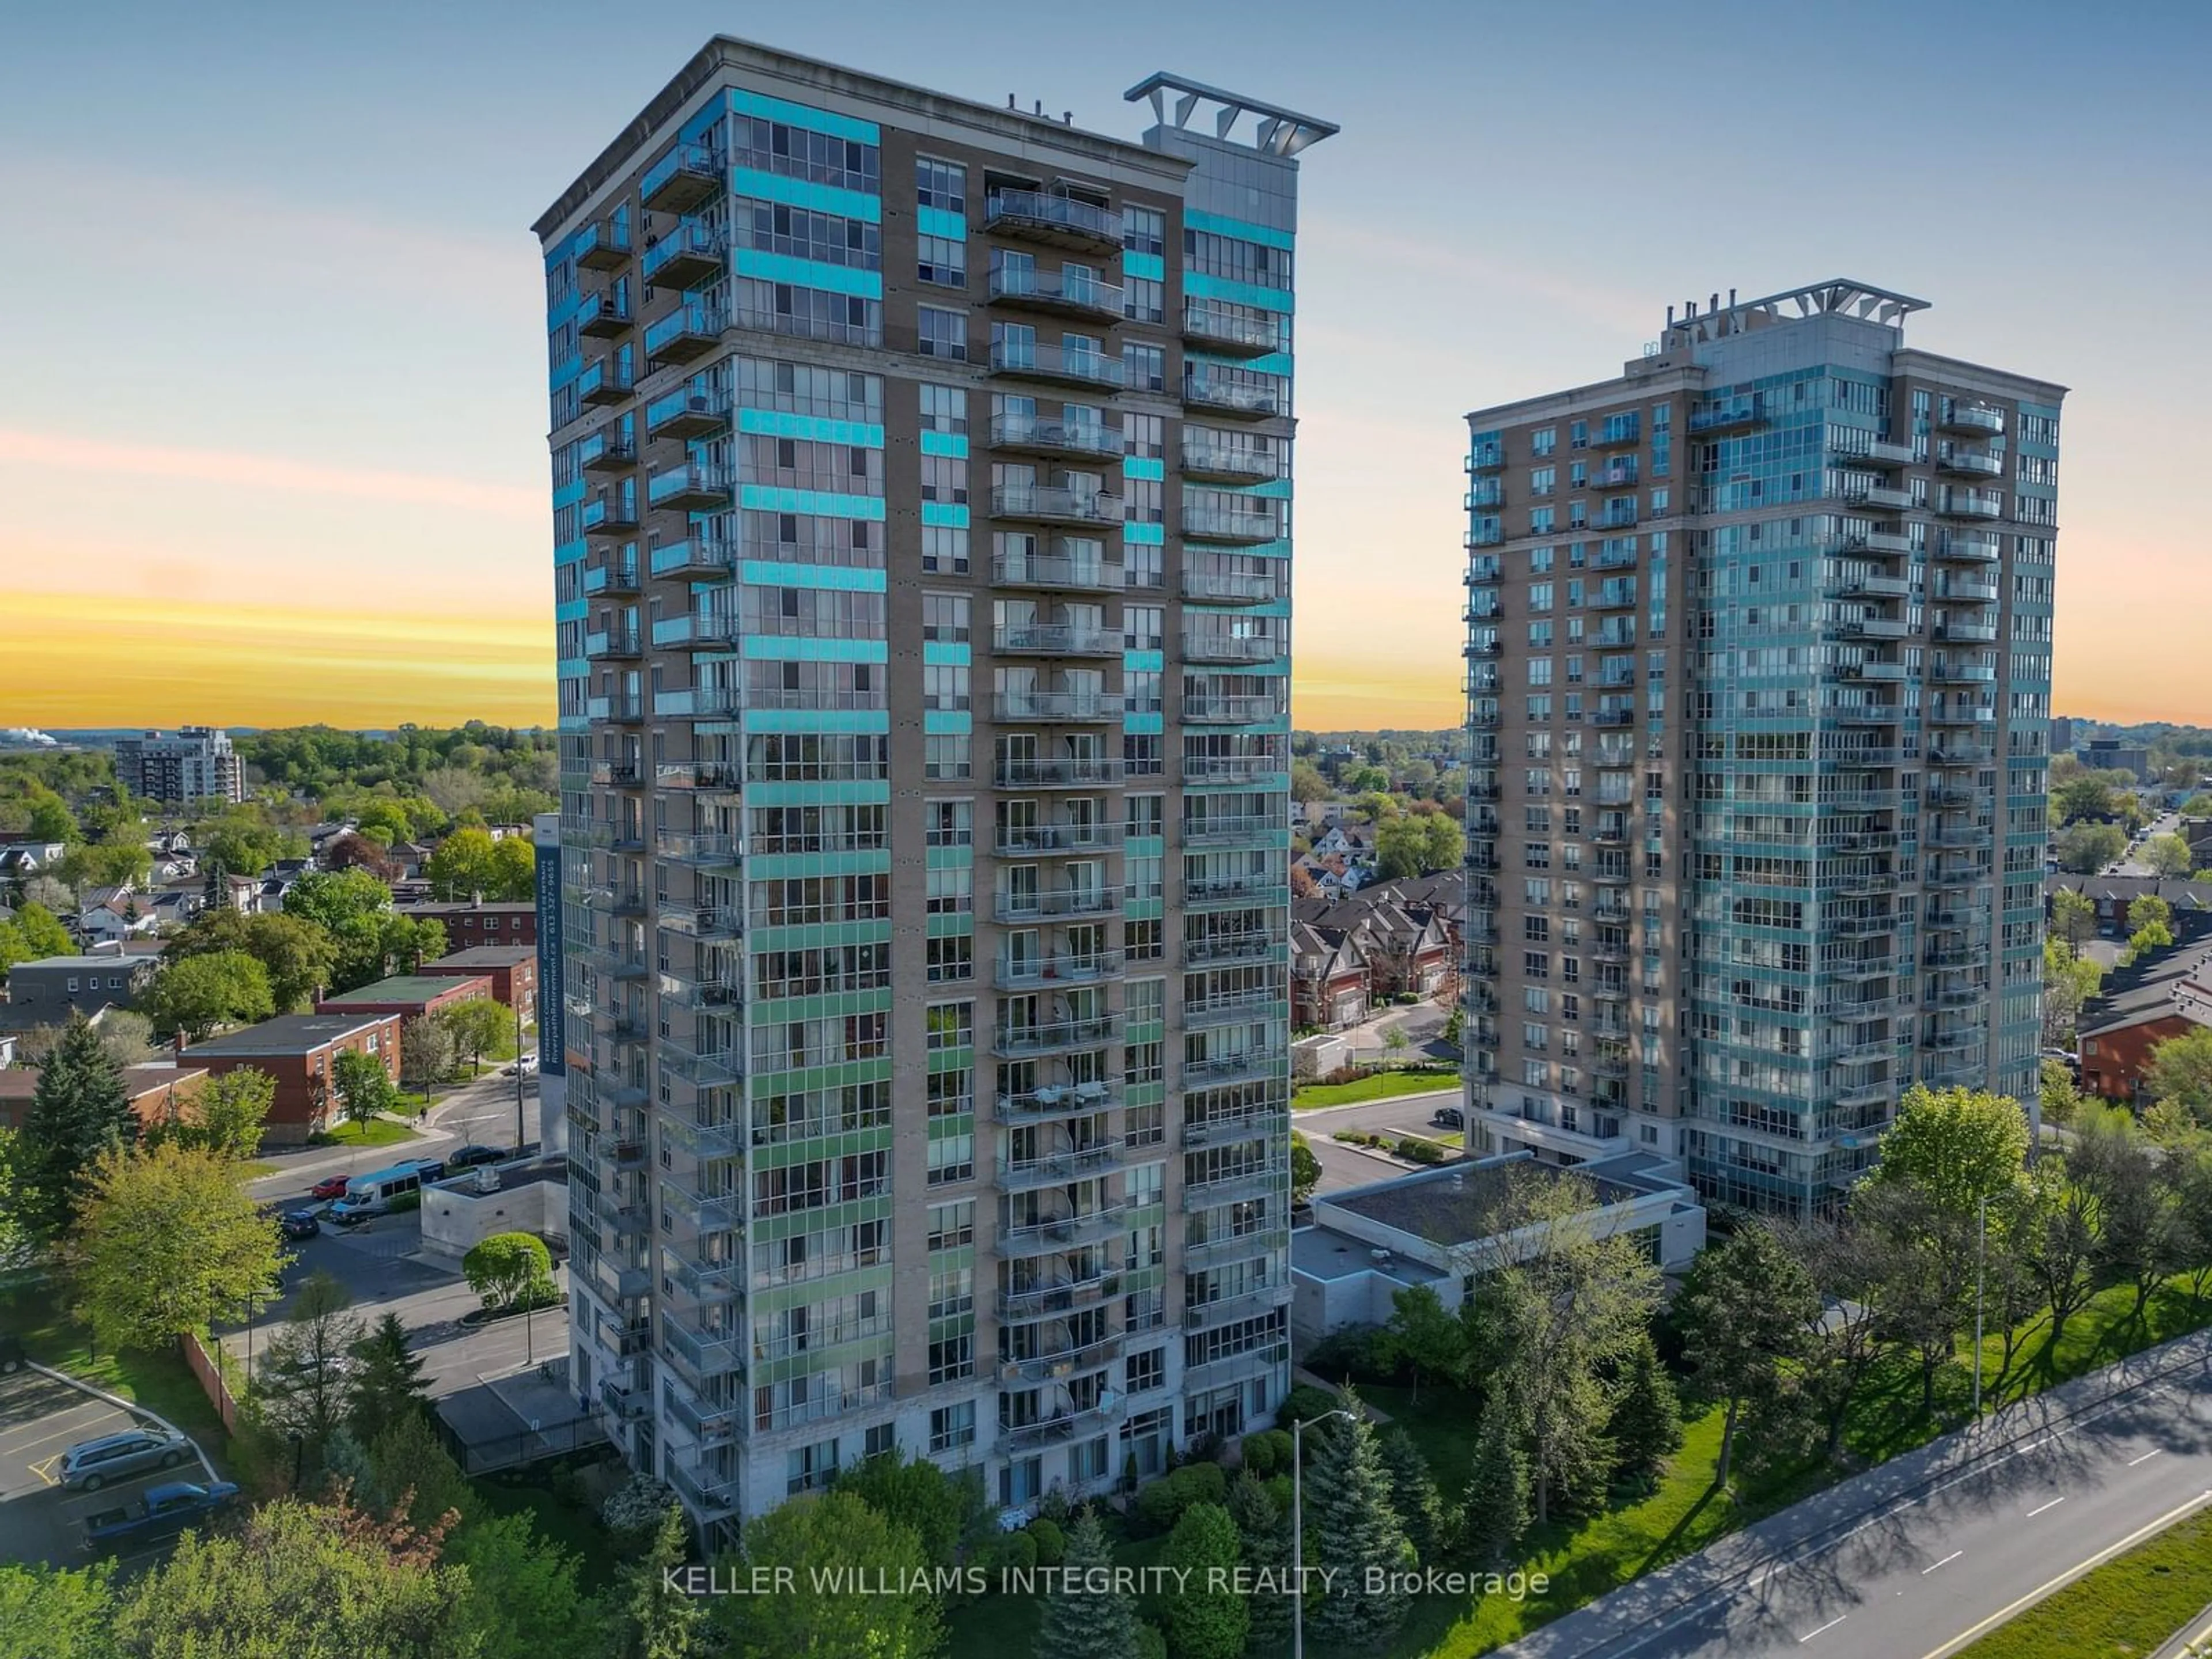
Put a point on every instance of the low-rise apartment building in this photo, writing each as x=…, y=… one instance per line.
x=299, y=1051
x=81, y=985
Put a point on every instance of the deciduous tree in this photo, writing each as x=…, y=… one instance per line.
x=1742, y=1313
x=364, y=1087
x=1204, y=1616
x=833, y=1544
x=2073, y=918
x=1423, y=1337
x=510, y=1270
x=168, y=1240
x=199, y=995
x=1957, y=1146
x=300, y=1382
x=2180, y=1073
x=478, y=1024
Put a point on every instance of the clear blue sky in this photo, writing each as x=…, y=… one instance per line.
x=274, y=336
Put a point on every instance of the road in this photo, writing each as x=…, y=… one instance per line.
x=1992, y=1523
x=480, y=1111
x=2165, y=824
x=1352, y=1166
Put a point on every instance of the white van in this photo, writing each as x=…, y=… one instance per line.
x=372, y=1193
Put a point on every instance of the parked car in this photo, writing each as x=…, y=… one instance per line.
x=91, y=1464
x=328, y=1188
x=163, y=1511
x=526, y=1066
x=1449, y=1117
x=299, y=1224
x=467, y=1157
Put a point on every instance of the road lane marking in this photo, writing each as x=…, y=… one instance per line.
x=2146, y=1457
x=2061, y=1580
x=2040, y=1508
x=1831, y=1625
x=1945, y=1562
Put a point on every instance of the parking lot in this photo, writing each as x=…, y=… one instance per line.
x=39, y=1420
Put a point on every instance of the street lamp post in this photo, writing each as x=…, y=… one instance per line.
x=1298, y=1528
x=1981, y=1258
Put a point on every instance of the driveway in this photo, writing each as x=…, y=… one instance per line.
x=1343, y=1166
x=39, y=1420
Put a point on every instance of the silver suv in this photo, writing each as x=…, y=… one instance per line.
x=91, y=1464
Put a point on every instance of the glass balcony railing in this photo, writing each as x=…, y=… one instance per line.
x=1050, y=218
x=1092, y=440
x=1071, y=290
x=687, y=177
x=1085, y=367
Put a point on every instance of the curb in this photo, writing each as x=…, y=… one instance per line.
x=122, y=1404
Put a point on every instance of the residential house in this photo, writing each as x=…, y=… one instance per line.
x=299, y=1050
x=2190, y=901
x=22, y=859
x=1329, y=978
x=62, y=985
x=1405, y=937
x=2167, y=996
x=107, y=924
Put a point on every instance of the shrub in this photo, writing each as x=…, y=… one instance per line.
x=1363, y=1353
x=1051, y=1542
x=1161, y=1504
x=1015, y=1552
x=1420, y=1151
x=1280, y=1490
x=1303, y=1403
x=401, y=1203
x=1268, y=1453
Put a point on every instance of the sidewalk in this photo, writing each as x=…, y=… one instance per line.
x=1620, y=1620
x=289, y=1168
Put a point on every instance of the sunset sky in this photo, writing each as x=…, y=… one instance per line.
x=272, y=397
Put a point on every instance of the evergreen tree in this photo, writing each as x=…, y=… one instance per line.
x=657, y=1622
x=215, y=893
x=1264, y=1529
x=389, y=1384
x=1496, y=1508
x=1205, y=1618
x=1355, y=1530
x=1414, y=1494
x=1087, y=1620
x=79, y=1110
x=1646, y=1425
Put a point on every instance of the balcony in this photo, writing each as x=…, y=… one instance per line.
x=1209, y=646
x=1970, y=504
x=616, y=644
x=614, y=579
x=689, y=176
x=1252, y=887
x=703, y=1061
x=1251, y=1066
x=1085, y=365
x=1041, y=1298
x=603, y=245
x=1241, y=526
x=609, y=513
x=1056, y=1236
x=711, y=922
x=690, y=256
x=1056, y=220
x=1953, y=757
x=1019, y=907
x=1208, y=587
x=1963, y=673
x=1959, y=592
x=701, y=554
x=606, y=451
x=1087, y=772
x=1874, y=498
x=1059, y=572
x=1879, y=453
x=1056, y=504
x=1231, y=330
x=1056, y=971
x=1056, y=1170
x=1733, y=415
x=605, y=380
x=699, y=630
x=1229, y=464
x=622, y=708
x=1243, y=400
x=1244, y=830
x=1070, y=292
x=1054, y=640
x=1957, y=416
x=1231, y=950
x=1235, y=1247
x=1243, y=710
x=690, y=332
x=1032, y=435
x=1231, y=768
x=1205, y=1013
x=1058, y=708
x=688, y=413
x=704, y=1139
x=1966, y=547
x=692, y=489
x=1976, y=463
x=1260, y=1180
x=1056, y=839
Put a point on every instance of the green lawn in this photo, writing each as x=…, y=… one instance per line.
x=2123, y=1610
x=377, y=1132
x=1376, y=1085
x=161, y=1382
x=560, y=1514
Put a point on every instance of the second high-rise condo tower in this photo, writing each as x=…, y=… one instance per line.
x=922, y=492
x=1759, y=682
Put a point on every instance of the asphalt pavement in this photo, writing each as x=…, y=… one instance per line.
x=1918, y=1559
x=1353, y=1166
x=42, y=1417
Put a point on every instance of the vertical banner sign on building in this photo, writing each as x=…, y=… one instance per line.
x=552, y=999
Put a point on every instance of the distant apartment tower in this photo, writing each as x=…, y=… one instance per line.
x=196, y=764
x=921, y=490
x=1758, y=677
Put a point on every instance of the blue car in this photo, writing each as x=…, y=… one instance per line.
x=161, y=1512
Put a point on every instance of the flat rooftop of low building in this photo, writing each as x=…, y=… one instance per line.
x=150, y=1075
x=1324, y=1253
x=1462, y=1203
x=77, y=964
x=488, y=956
x=290, y=1034
x=400, y=987
x=454, y=907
